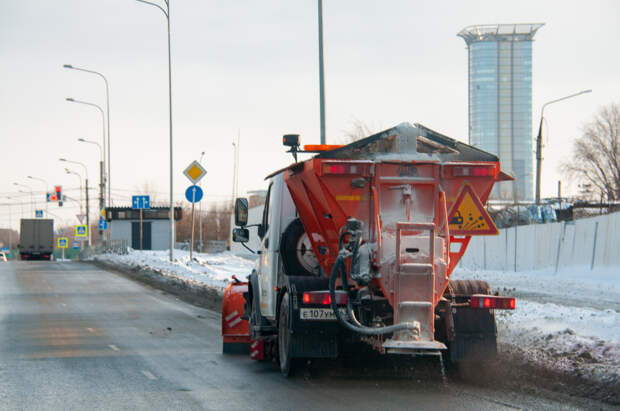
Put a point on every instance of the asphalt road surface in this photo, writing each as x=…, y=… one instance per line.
x=73, y=336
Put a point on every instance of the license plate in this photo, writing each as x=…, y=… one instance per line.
x=320, y=314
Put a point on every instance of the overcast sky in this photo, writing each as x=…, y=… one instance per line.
x=252, y=67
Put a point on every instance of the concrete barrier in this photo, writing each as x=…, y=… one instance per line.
x=590, y=242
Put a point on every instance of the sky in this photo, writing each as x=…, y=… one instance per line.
x=250, y=69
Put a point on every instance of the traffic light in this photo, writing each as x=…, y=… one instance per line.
x=59, y=195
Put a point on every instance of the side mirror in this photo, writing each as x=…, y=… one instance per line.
x=241, y=212
x=241, y=235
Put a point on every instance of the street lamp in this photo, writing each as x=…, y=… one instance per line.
x=539, y=140
x=80, y=178
x=321, y=73
x=86, y=192
x=10, y=226
x=47, y=190
x=31, y=200
x=107, y=103
x=167, y=14
x=101, y=176
x=102, y=138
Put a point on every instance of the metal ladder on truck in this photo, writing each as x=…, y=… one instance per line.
x=414, y=292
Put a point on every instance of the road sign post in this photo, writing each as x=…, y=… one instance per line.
x=193, y=194
x=140, y=203
x=62, y=243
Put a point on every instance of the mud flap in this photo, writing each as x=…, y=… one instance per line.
x=475, y=335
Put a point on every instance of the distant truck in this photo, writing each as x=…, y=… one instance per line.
x=36, y=239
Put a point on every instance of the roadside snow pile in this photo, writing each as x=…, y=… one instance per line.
x=567, y=321
x=214, y=270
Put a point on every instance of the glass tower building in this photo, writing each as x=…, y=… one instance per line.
x=500, y=100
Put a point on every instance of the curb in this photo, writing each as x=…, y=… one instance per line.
x=193, y=293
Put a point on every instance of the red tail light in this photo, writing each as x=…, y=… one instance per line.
x=492, y=302
x=473, y=171
x=323, y=297
x=339, y=169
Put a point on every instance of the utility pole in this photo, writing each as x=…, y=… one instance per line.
x=321, y=73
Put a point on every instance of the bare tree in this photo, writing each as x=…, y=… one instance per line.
x=596, y=155
x=359, y=130
x=149, y=188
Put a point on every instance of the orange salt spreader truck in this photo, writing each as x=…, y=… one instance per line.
x=357, y=245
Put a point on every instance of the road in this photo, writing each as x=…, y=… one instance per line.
x=73, y=336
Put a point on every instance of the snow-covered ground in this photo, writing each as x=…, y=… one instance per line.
x=214, y=270
x=568, y=320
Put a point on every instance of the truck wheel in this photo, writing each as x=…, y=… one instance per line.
x=297, y=252
x=469, y=287
x=285, y=343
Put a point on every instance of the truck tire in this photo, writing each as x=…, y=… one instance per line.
x=469, y=287
x=296, y=250
x=285, y=342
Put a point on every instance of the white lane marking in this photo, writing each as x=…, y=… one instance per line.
x=64, y=305
x=231, y=315
x=90, y=330
x=149, y=375
x=234, y=322
x=114, y=347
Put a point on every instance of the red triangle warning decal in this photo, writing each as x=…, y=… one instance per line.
x=468, y=216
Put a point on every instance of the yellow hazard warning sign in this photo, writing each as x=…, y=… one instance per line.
x=468, y=216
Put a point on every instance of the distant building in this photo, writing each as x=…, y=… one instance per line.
x=125, y=225
x=500, y=100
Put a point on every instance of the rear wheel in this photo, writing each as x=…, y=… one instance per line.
x=285, y=343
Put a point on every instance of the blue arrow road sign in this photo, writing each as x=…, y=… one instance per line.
x=193, y=194
x=140, y=202
x=103, y=225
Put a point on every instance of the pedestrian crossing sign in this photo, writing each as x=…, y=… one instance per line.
x=81, y=231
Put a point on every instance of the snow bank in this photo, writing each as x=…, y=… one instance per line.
x=213, y=270
x=568, y=321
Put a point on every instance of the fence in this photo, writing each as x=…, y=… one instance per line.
x=592, y=242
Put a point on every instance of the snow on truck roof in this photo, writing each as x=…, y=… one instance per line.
x=405, y=142
x=408, y=142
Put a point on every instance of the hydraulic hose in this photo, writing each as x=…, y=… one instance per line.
x=339, y=265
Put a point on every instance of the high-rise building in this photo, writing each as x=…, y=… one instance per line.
x=500, y=100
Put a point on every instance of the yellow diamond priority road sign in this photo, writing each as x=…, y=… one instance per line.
x=195, y=172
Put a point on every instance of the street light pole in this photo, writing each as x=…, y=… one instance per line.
x=321, y=73
x=167, y=14
x=80, y=178
x=47, y=190
x=200, y=209
x=86, y=192
x=69, y=99
x=539, y=140
x=107, y=103
x=101, y=177
x=10, y=226
x=31, y=199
